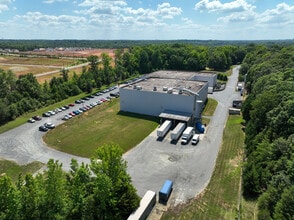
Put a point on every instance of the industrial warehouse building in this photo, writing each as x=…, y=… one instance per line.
x=167, y=94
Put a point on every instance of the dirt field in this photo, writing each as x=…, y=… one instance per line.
x=83, y=53
x=42, y=64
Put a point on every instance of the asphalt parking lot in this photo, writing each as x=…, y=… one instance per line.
x=188, y=166
x=24, y=144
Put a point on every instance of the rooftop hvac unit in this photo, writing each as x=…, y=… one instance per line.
x=154, y=88
x=164, y=88
x=170, y=91
x=139, y=87
x=134, y=87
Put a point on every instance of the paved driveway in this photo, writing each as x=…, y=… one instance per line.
x=189, y=167
x=151, y=162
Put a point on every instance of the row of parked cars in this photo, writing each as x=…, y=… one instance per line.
x=77, y=111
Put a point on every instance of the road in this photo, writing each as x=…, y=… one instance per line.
x=189, y=167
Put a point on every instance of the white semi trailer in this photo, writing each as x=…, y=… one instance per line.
x=164, y=128
x=177, y=131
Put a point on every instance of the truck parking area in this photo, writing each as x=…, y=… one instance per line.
x=189, y=166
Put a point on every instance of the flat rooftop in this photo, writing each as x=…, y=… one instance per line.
x=172, y=74
x=164, y=85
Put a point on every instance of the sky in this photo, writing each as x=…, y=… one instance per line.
x=147, y=19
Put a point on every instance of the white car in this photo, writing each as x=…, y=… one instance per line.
x=49, y=125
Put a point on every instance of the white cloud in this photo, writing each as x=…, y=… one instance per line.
x=53, y=1
x=117, y=13
x=239, y=17
x=37, y=18
x=4, y=5
x=217, y=6
x=282, y=14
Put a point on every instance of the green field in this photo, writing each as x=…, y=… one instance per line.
x=13, y=170
x=222, y=198
x=101, y=125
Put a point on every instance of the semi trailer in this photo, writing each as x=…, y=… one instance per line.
x=164, y=128
x=177, y=131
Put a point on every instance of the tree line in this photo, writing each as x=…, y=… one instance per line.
x=22, y=94
x=268, y=173
x=100, y=190
x=29, y=45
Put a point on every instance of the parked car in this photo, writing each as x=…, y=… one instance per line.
x=72, y=114
x=51, y=112
x=43, y=128
x=66, y=117
x=49, y=125
x=86, y=98
x=46, y=114
x=66, y=106
x=78, y=102
x=31, y=120
x=37, y=118
x=71, y=105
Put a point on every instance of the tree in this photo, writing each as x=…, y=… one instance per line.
x=108, y=160
x=55, y=198
x=8, y=199
x=284, y=208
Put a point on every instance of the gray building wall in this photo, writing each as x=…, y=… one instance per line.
x=210, y=78
x=154, y=103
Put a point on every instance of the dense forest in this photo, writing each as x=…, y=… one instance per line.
x=101, y=190
x=28, y=45
x=269, y=113
x=23, y=94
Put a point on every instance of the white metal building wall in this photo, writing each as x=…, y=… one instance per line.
x=211, y=79
x=154, y=103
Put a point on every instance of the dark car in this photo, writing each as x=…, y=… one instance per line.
x=43, y=128
x=46, y=114
x=66, y=106
x=86, y=98
x=37, y=117
x=31, y=120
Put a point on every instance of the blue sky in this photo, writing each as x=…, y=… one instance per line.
x=147, y=19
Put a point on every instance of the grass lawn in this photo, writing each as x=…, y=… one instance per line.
x=208, y=110
x=13, y=170
x=101, y=125
x=221, y=198
x=23, y=118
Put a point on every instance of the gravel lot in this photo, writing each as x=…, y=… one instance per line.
x=189, y=167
